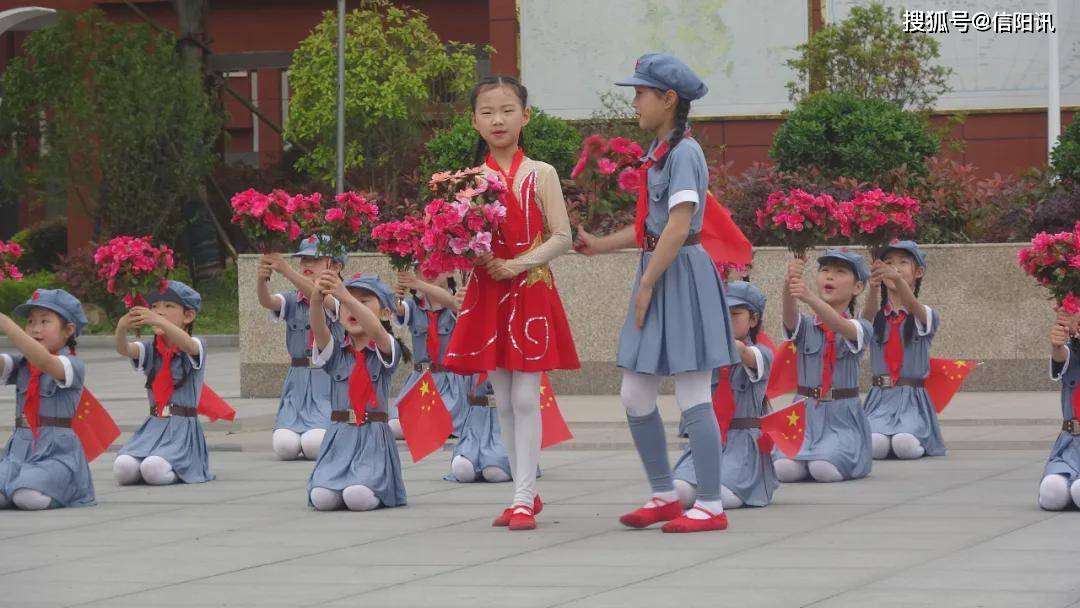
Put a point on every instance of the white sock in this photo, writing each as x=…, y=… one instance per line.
x=730, y=500
x=30, y=500
x=395, y=427
x=824, y=471
x=462, y=469
x=1074, y=492
x=126, y=470
x=711, y=506
x=310, y=442
x=879, y=446
x=686, y=492
x=359, y=498
x=1054, y=493
x=495, y=475
x=286, y=444
x=660, y=499
x=157, y=471
x=325, y=499
x=907, y=447
x=790, y=471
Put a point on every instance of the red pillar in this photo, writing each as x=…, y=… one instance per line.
x=270, y=102
x=503, y=28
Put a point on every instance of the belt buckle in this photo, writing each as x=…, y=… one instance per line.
x=166, y=411
x=21, y=421
x=353, y=420
x=883, y=381
x=651, y=241
x=1072, y=427
x=826, y=396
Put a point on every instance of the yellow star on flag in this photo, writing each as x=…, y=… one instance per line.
x=793, y=419
x=424, y=388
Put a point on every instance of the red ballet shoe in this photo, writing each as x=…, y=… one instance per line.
x=686, y=524
x=647, y=516
x=503, y=519
x=522, y=518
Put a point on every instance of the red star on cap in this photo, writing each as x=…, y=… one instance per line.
x=36, y=295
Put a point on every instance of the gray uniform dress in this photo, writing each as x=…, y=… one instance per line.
x=1064, y=457
x=305, y=396
x=363, y=455
x=481, y=437
x=53, y=463
x=906, y=409
x=836, y=431
x=744, y=470
x=177, y=439
x=453, y=388
x=687, y=327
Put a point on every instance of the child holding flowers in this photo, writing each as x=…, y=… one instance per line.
x=170, y=446
x=512, y=323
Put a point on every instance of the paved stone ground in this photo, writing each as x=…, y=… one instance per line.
x=963, y=530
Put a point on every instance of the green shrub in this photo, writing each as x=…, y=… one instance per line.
x=843, y=135
x=13, y=293
x=44, y=243
x=547, y=138
x=1065, y=158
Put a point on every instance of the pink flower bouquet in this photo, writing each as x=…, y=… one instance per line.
x=877, y=218
x=344, y=222
x=269, y=219
x=607, y=174
x=400, y=241
x=800, y=219
x=132, y=266
x=1054, y=261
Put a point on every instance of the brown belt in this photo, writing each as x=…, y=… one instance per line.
x=651, y=240
x=832, y=395
x=479, y=401
x=886, y=382
x=1071, y=427
x=22, y=423
x=745, y=423
x=349, y=417
x=432, y=367
x=175, y=410
x=302, y=362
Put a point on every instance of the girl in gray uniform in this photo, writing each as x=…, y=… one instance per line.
x=358, y=466
x=903, y=421
x=678, y=323
x=43, y=465
x=170, y=446
x=1059, y=488
x=830, y=344
x=746, y=471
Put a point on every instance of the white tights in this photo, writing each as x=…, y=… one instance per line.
x=688, y=492
x=30, y=500
x=790, y=471
x=517, y=401
x=154, y=470
x=464, y=471
x=905, y=445
x=1055, y=493
x=353, y=498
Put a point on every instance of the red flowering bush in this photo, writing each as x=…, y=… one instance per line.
x=607, y=177
x=132, y=266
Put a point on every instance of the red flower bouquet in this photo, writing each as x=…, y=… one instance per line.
x=459, y=226
x=877, y=218
x=344, y=223
x=1054, y=261
x=800, y=219
x=607, y=174
x=132, y=266
x=400, y=241
x=268, y=220
x=8, y=254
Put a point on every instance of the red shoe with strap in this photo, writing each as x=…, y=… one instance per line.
x=647, y=516
x=687, y=524
x=522, y=519
x=503, y=519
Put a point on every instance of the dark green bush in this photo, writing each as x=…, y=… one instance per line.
x=13, y=293
x=44, y=243
x=1065, y=158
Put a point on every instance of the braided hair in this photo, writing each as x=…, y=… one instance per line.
x=879, y=318
x=493, y=82
x=682, y=119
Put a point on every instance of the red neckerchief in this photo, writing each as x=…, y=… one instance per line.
x=642, y=208
x=724, y=403
x=32, y=404
x=508, y=176
x=162, y=386
x=829, y=361
x=433, y=335
x=361, y=388
x=894, y=347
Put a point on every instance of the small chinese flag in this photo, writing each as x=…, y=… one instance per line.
x=553, y=426
x=721, y=237
x=946, y=376
x=723, y=402
x=94, y=426
x=787, y=427
x=213, y=406
x=425, y=421
x=784, y=376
